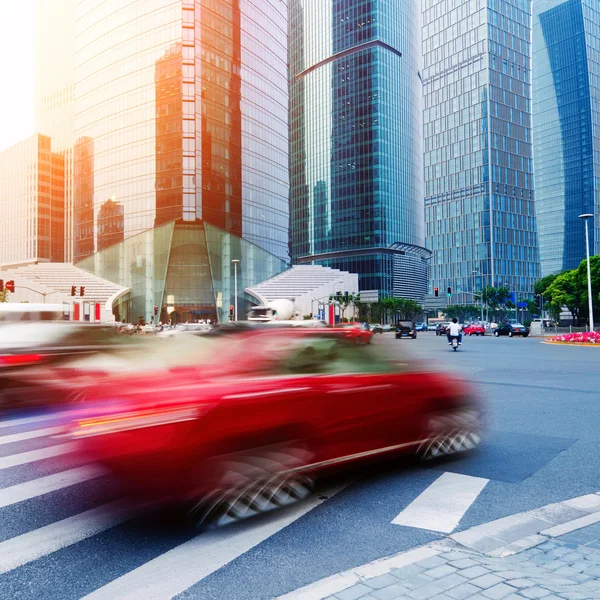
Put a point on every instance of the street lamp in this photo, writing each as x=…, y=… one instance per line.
x=235, y=262
x=589, y=271
x=475, y=273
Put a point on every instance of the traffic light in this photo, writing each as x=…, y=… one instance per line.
x=10, y=286
x=231, y=311
x=345, y=296
x=436, y=292
x=73, y=290
x=82, y=290
x=155, y=310
x=449, y=291
x=538, y=301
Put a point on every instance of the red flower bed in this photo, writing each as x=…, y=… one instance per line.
x=585, y=337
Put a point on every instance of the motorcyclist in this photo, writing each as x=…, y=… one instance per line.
x=454, y=331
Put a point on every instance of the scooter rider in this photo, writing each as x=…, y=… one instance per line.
x=454, y=331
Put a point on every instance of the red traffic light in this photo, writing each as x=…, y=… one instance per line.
x=156, y=310
x=436, y=292
x=82, y=290
x=10, y=286
x=73, y=290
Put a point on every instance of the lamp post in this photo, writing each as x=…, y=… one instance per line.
x=475, y=273
x=235, y=262
x=589, y=270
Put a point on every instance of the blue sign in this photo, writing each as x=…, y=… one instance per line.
x=522, y=305
x=321, y=314
x=511, y=297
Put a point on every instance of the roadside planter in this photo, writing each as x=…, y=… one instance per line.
x=584, y=337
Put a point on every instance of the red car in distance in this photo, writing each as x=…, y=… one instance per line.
x=474, y=329
x=264, y=413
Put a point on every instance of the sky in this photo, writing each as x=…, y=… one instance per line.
x=16, y=76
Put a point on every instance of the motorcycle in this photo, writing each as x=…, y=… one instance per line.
x=454, y=343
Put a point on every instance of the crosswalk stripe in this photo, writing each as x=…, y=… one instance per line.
x=23, y=458
x=178, y=569
x=442, y=505
x=30, y=420
x=30, y=435
x=35, y=544
x=49, y=483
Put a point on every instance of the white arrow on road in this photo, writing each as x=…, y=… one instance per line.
x=443, y=504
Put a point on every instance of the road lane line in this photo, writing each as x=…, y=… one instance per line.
x=50, y=483
x=25, y=548
x=24, y=458
x=442, y=505
x=30, y=435
x=178, y=569
x=29, y=420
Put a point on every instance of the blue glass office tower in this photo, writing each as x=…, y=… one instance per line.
x=356, y=141
x=479, y=199
x=566, y=66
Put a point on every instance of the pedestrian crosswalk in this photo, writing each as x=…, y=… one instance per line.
x=54, y=493
x=164, y=576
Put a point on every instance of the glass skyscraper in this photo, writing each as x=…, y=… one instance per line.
x=181, y=148
x=566, y=88
x=479, y=199
x=356, y=197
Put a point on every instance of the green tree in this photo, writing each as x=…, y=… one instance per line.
x=581, y=276
x=541, y=285
x=497, y=299
x=343, y=302
x=566, y=291
x=462, y=312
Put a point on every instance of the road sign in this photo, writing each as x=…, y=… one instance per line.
x=369, y=295
x=522, y=305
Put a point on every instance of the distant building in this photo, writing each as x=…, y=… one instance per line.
x=186, y=125
x=479, y=192
x=356, y=117
x=54, y=90
x=110, y=225
x=31, y=203
x=566, y=63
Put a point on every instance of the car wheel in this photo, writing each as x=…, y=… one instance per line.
x=496, y=333
x=250, y=483
x=525, y=334
x=450, y=433
x=510, y=334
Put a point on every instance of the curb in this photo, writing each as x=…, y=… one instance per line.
x=571, y=344
x=499, y=539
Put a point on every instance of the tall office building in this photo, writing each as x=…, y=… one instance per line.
x=181, y=114
x=31, y=203
x=54, y=73
x=479, y=199
x=356, y=197
x=566, y=117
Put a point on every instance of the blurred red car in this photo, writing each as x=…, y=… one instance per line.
x=358, y=332
x=263, y=413
x=474, y=329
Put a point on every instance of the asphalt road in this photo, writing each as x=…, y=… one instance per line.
x=62, y=536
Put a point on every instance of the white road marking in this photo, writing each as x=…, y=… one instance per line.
x=24, y=458
x=178, y=569
x=30, y=435
x=35, y=544
x=50, y=483
x=29, y=420
x=442, y=505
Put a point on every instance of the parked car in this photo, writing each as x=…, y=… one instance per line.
x=474, y=329
x=511, y=329
x=421, y=326
x=376, y=328
x=406, y=328
x=442, y=329
x=252, y=427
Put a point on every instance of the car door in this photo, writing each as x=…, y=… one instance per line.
x=368, y=405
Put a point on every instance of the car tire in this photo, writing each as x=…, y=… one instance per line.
x=525, y=335
x=450, y=432
x=510, y=334
x=496, y=334
x=252, y=483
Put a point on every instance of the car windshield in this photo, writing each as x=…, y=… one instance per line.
x=517, y=325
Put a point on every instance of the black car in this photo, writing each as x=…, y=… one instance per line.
x=442, y=329
x=406, y=328
x=511, y=329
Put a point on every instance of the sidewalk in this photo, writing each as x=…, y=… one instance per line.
x=550, y=553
